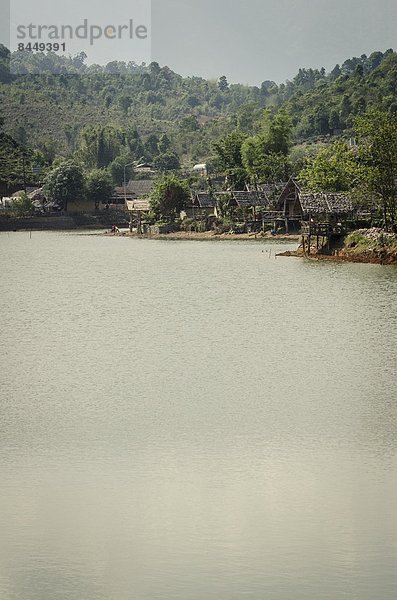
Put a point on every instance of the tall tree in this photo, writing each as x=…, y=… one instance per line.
x=99, y=186
x=333, y=169
x=134, y=143
x=223, y=84
x=65, y=184
x=164, y=144
x=100, y=145
x=262, y=165
x=151, y=146
x=278, y=132
x=265, y=155
x=229, y=155
x=169, y=196
x=377, y=147
x=118, y=167
x=168, y=161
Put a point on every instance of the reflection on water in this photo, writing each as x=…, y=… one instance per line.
x=195, y=420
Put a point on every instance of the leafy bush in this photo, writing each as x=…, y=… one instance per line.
x=224, y=225
x=189, y=225
x=22, y=206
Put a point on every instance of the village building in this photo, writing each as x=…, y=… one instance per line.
x=138, y=189
x=245, y=206
x=145, y=168
x=329, y=207
x=204, y=206
x=289, y=207
x=35, y=194
x=249, y=199
x=136, y=201
x=138, y=210
x=271, y=190
x=200, y=169
x=249, y=207
x=295, y=207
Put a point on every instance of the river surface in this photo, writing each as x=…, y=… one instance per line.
x=195, y=421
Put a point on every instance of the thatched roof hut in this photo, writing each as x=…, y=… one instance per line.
x=249, y=199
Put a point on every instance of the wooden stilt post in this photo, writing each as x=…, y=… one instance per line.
x=139, y=223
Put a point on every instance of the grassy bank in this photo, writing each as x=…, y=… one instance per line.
x=375, y=245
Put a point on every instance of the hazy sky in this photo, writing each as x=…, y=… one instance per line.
x=253, y=40
x=268, y=39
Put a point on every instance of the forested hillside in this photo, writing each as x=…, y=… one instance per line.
x=151, y=112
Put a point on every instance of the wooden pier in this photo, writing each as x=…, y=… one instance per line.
x=322, y=234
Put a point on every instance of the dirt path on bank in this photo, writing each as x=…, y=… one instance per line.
x=209, y=235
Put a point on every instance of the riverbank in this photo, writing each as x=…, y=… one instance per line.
x=209, y=236
x=64, y=221
x=373, y=246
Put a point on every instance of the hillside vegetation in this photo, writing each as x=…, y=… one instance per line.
x=56, y=111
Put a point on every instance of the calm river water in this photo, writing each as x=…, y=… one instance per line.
x=195, y=421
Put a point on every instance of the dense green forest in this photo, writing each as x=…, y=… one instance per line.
x=124, y=110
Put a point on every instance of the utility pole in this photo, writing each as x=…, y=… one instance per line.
x=125, y=191
x=24, y=170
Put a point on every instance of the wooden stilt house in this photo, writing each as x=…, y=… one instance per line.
x=138, y=210
x=249, y=207
x=204, y=206
x=289, y=206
